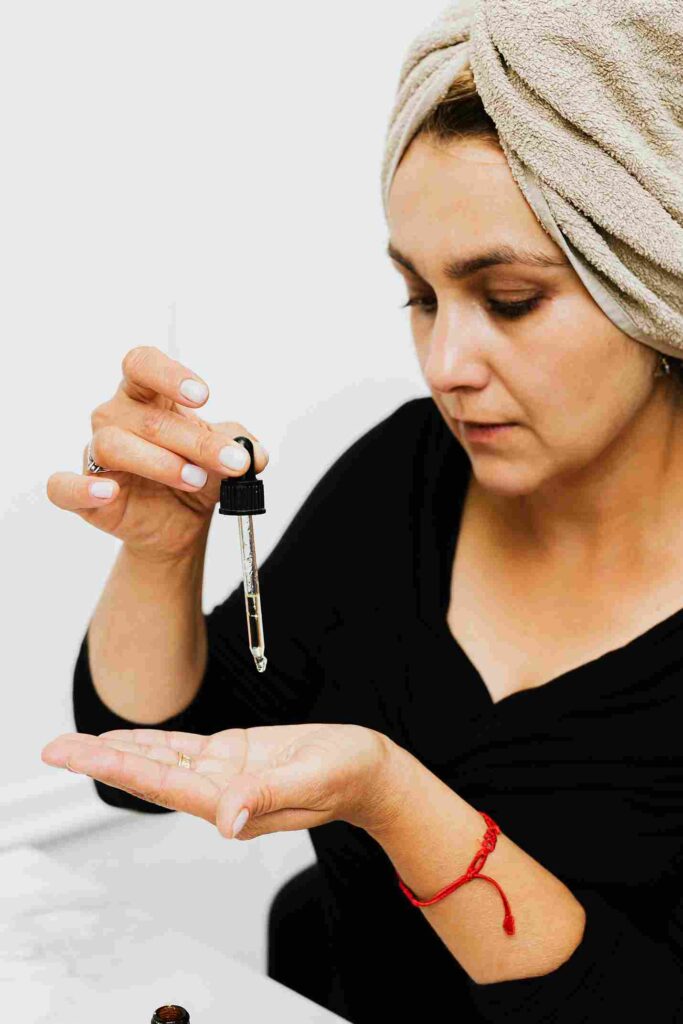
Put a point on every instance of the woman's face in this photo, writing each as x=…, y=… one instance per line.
x=509, y=342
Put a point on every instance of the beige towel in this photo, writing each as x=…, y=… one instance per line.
x=587, y=98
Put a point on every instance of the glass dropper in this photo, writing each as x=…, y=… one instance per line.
x=242, y=496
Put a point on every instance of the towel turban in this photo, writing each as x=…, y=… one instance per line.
x=587, y=100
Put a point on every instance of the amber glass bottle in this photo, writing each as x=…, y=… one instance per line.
x=170, y=1014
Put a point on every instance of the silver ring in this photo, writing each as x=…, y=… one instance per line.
x=92, y=465
x=184, y=760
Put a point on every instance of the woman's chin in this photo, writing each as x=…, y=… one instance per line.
x=504, y=479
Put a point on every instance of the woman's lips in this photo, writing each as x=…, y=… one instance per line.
x=485, y=432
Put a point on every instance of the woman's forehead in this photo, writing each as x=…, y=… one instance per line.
x=432, y=188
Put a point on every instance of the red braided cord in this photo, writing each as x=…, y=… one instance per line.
x=473, y=871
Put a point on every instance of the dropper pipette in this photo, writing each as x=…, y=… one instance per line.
x=242, y=496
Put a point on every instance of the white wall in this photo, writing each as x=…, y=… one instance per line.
x=204, y=178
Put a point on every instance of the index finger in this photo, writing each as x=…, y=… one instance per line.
x=148, y=372
x=164, y=784
x=191, y=743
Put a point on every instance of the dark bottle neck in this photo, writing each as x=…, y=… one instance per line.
x=170, y=1014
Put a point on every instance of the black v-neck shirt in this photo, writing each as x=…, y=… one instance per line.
x=584, y=773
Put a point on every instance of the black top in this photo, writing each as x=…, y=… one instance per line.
x=584, y=773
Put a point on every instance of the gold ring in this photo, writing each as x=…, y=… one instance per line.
x=184, y=761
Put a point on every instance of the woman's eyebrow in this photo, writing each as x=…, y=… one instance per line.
x=455, y=269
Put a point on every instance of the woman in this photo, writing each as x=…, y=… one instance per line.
x=496, y=654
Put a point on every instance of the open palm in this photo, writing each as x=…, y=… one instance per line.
x=287, y=776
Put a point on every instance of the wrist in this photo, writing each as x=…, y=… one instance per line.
x=394, y=787
x=156, y=559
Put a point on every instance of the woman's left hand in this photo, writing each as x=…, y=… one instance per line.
x=287, y=776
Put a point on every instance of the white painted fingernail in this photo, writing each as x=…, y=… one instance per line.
x=240, y=821
x=102, y=489
x=233, y=457
x=194, y=390
x=194, y=475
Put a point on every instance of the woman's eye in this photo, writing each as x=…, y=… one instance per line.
x=508, y=310
x=421, y=303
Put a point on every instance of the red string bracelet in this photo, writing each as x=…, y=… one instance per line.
x=487, y=845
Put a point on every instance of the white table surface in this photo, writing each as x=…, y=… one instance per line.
x=69, y=955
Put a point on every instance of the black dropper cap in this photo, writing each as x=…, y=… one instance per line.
x=242, y=495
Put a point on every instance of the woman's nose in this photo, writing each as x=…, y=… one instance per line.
x=452, y=359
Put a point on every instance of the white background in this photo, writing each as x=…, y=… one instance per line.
x=203, y=177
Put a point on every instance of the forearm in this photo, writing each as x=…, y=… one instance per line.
x=431, y=841
x=147, y=637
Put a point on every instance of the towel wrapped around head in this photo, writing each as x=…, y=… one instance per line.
x=587, y=99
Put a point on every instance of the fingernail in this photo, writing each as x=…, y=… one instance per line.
x=102, y=489
x=73, y=769
x=194, y=475
x=233, y=456
x=194, y=390
x=240, y=821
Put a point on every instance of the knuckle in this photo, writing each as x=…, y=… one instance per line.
x=205, y=448
x=266, y=801
x=154, y=421
x=104, y=442
x=99, y=415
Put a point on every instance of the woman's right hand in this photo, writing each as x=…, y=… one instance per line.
x=147, y=436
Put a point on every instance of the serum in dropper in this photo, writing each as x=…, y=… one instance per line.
x=242, y=496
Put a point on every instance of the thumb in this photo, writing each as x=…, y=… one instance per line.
x=283, y=798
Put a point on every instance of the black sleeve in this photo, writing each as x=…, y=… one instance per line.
x=302, y=583
x=616, y=970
